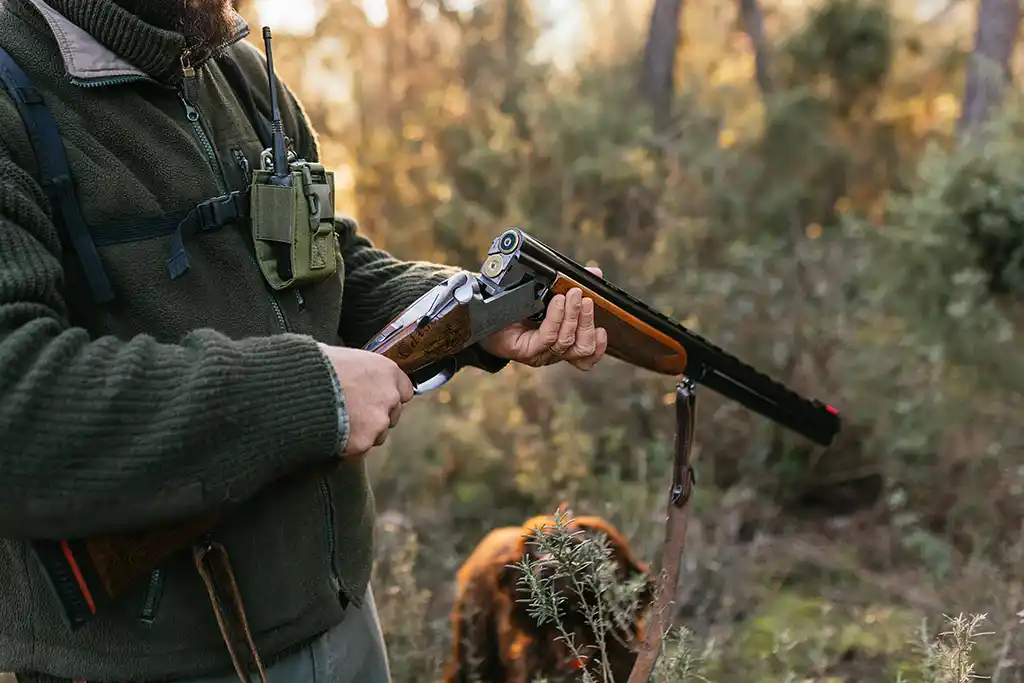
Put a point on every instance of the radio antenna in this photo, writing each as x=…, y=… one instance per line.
x=281, y=175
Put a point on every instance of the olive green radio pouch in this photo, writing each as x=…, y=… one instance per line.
x=293, y=226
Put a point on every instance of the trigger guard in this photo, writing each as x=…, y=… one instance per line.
x=442, y=377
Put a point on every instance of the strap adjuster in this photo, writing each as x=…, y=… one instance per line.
x=219, y=211
x=209, y=214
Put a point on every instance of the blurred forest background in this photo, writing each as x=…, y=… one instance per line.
x=833, y=191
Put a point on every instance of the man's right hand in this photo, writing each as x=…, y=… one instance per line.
x=375, y=390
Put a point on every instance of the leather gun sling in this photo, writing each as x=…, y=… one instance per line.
x=212, y=562
x=683, y=480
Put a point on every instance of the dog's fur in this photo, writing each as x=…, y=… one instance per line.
x=495, y=640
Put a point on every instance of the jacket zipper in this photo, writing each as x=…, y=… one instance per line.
x=325, y=492
x=116, y=80
x=188, y=93
x=195, y=117
x=189, y=86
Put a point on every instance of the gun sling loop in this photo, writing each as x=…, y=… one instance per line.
x=219, y=578
x=56, y=181
x=683, y=481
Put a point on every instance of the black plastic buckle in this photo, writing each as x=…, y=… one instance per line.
x=217, y=212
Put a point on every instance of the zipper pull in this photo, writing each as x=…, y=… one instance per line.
x=243, y=164
x=190, y=112
x=189, y=83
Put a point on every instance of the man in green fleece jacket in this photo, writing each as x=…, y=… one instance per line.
x=195, y=396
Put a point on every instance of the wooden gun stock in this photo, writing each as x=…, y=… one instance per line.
x=629, y=338
x=418, y=346
x=85, y=574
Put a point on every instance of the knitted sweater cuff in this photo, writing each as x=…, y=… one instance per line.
x=339, y=399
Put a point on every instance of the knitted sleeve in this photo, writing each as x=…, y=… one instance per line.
x=99, y=435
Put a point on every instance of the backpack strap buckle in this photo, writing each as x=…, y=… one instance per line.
x=209, y=214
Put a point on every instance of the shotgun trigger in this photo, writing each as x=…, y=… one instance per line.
x=446, y=370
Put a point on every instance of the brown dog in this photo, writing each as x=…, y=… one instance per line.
x=496, y=640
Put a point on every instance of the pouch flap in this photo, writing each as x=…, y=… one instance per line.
x=273, y=213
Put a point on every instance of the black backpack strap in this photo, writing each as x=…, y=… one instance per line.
x=55, y=174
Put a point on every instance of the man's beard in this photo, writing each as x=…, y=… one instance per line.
x=206, y=24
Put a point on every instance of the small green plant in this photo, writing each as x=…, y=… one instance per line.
x=679, y=659
x=588, y=570
x=948, y=658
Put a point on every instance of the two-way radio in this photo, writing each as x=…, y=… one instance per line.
x=291, y=206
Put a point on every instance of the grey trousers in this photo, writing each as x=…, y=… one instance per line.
x=351, y=652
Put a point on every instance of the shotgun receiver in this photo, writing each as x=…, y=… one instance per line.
x=516, y=281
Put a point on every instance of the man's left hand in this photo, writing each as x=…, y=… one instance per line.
x=568, y=333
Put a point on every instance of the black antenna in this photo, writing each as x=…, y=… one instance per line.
x=281, y=175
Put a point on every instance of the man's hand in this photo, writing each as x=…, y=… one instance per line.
x=375, y=390
x=567, y=334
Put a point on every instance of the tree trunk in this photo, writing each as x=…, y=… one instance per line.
x=988, y=70
x=657, y=78
x=514, y=26
x=752, y=21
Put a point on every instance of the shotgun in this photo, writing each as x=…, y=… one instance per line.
x=520, y=276
x=516, y=281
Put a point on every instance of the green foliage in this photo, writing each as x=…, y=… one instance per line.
x=793, y=637
x=983, y=195
x=848, y=41
x=589, y=569
x=810, y=635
